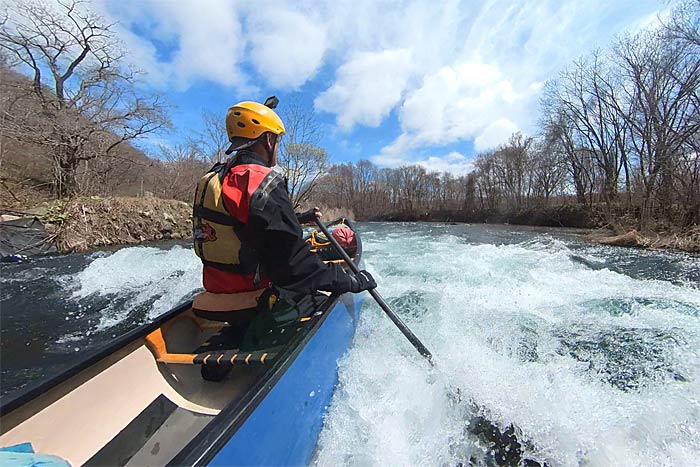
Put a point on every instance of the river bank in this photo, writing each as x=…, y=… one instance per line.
x=621, y=231
x=85, y=223
x=565, y=215
x=687, y=239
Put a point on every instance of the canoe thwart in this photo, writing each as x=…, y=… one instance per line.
x=156, y=344
x=235, y=357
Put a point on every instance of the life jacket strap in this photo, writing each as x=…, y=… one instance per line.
x=218, y=217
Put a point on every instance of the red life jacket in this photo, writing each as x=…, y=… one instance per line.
x=223, y=200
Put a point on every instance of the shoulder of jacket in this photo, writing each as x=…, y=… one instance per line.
x=252, y=175
x=267, y=185
x=255, y=168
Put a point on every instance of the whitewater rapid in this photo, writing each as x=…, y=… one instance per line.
x=591, y=352
x=142, y=278
x=593, y=366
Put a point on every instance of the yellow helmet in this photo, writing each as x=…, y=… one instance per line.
x=247, y=121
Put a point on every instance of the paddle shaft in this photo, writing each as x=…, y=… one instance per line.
x=405, y=330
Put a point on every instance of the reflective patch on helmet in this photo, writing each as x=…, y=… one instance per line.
x=204, y=233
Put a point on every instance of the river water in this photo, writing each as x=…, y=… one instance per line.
x=592, y=353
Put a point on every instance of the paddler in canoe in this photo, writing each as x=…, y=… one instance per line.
x=265, y=382
x=250, y=240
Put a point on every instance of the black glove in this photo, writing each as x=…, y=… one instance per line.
x=362, y=281
x=307, y=217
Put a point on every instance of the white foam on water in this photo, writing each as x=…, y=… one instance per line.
x=152, y=277
x=530, y=336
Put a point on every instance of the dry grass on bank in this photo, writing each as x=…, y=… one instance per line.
x=686, y=239
x=89, y=222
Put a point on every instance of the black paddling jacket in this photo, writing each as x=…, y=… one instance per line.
x=276, y=235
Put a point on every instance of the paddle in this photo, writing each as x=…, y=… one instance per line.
x=507, y=450
x=378, y=298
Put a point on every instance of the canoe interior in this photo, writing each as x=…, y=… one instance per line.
x=129, y=409
x=79, y=417
x=121, y=406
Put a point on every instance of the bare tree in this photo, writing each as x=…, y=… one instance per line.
x=181, y=165
x=558, y=137
x=301, y=159
x=83, y=100
x=684, y=23
x=213, y=139
x=512, y=169
x=548, y=170
x=663, y=78
x=487, y=186
x=303, y=165
x=587, y=98
x=688, y=178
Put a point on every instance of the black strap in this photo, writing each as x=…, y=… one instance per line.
x=216, y=216
x=259, y=199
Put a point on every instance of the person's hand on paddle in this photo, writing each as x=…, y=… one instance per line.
x=368, y=281
x=309, y=216
x=361, y=281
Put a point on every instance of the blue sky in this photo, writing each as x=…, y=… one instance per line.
x=394, y=82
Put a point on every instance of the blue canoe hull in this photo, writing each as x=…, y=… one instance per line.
x=284, y=428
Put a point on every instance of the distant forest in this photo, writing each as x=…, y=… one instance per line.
x=618, y=135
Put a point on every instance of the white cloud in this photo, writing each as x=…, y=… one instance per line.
x=455, y=71
x=206, y=37
x=496, y=133
x=653, y=20
x=456, y=102
x=454, y=163
x=367, y=87
x=419, y=37
x=491, y=86
x=287, y=47
x=212, y=45
x=460, y=102
x=142, y=55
